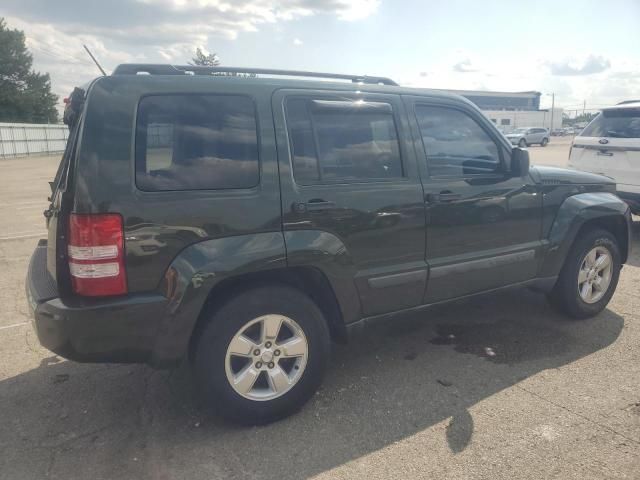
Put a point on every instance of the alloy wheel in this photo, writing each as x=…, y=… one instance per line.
x=266, y=357
x=594, y=275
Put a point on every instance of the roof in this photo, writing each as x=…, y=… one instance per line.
x=279, y=78
x=631, y=104
x=166, y=69
x=487, y=93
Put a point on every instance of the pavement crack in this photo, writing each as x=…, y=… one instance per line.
x=52, y=461
x=584, y=417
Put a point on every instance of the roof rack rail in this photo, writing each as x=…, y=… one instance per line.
x=166, y=69
x=628, y=101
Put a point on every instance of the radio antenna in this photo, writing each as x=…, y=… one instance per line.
x=94, y=60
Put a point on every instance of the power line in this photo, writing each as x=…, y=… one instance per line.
x=59, y=55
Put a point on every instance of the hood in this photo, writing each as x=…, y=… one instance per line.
x=565, y=176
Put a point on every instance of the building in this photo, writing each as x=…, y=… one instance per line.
x=509, y=110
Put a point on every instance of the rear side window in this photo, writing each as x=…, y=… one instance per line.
x=335, y=141
x=623, y=123
x=196, y=142
x=455, y=144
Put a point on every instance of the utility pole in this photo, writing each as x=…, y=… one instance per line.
x=584, y=107
x=553, y=104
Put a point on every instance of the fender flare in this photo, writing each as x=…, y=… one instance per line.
x=573, y=213
x=201, y=267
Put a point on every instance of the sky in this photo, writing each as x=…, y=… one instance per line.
x=580, y=50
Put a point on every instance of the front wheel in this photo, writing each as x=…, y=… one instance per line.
x=522, y=143
x=589, y=275
x=544, y=142
x=262, y=355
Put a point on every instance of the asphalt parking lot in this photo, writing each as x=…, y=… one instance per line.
x=498, y=387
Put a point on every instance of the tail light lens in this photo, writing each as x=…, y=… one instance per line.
x=96, y=255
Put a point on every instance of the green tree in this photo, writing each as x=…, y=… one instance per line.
x=205, y=60
x=25, y=95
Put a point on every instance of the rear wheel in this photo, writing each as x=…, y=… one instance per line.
x=589, y=276
x=522, y=143
x=544, y=142
x=262, y=355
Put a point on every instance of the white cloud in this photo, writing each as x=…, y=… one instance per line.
x=580, y=66
x=157, y=30
x=600, y=81
x=358, y=9
x=465, y=66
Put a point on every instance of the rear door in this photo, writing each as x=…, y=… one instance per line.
x=610, y=145
x=351, y=194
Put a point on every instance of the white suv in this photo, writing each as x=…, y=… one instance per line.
x=523, y=137
x=610, y=145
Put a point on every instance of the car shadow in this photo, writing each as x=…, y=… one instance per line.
x=67, y=420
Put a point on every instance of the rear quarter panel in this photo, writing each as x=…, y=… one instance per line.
x=159, y=225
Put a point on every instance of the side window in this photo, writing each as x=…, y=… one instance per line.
x=196, y=142
x=455, y=144
x=342, y=140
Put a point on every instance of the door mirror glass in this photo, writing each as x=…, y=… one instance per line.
x=519, y=162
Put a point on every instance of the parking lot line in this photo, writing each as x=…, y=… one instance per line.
x=14, y=325
x=27, y=235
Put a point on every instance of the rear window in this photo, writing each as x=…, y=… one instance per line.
x=342, y=141
x=196, y=142
x=623, y=123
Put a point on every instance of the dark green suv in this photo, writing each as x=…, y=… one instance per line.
x=243, y=220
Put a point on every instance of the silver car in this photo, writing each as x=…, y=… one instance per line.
x=523, y=137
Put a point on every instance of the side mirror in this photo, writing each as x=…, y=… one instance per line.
x=519, y=162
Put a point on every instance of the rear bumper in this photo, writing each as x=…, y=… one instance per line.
x=118, y=329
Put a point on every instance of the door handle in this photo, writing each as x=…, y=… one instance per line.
x=315, y=204
x=319, y=204
x=442, y=197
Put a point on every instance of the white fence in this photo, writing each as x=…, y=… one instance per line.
x=19, y=139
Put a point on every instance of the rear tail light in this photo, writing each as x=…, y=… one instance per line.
x=96, y=255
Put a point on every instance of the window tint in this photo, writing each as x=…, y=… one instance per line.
x=342, y=140
x=196, y=142
x=455, y=144
x=623, y=123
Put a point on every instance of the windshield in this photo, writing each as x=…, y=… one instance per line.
x=519, y=130
x=623, y=123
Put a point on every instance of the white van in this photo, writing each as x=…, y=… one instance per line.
x=610, y=145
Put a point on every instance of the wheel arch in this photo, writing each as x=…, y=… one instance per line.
x=580, y=213
x=308, y=280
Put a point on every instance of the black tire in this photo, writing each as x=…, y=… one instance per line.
x=565, y=295
x=522, y=143
x=225, y=322
x=544, y=142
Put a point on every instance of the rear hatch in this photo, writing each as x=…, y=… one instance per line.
x=61, y=199
x=610, y=145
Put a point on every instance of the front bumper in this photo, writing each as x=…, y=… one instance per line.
x=630, y=198
x=118, y=329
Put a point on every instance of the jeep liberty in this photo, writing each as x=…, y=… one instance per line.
x=243, y=222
